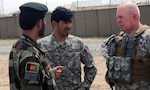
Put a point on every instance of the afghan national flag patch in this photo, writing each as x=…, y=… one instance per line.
x=31, y=70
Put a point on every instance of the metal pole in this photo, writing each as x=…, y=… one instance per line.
x=110, y=2
x=77, y=4
x=2, y=8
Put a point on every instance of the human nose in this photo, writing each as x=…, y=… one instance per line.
x=69, y=25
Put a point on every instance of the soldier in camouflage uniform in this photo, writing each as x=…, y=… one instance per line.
x=69, y=51
x=28, y=67
x=128, y=53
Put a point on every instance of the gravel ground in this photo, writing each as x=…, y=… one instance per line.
x=92, y=43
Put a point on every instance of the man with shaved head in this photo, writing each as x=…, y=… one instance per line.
x=128, y=17
x=127, y=53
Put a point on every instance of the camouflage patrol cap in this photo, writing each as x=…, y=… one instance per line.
x=30, y=13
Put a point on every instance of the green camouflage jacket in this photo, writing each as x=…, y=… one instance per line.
x=28, y=67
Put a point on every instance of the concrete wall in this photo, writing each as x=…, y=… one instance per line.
x=91, y=23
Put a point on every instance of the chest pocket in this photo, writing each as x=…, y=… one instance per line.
x=120, y=66
x=119, y=69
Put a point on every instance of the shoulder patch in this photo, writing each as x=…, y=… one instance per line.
x=31, y=70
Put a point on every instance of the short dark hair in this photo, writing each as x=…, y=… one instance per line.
x=61, y=13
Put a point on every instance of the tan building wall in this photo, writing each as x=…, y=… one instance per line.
x=89, y=23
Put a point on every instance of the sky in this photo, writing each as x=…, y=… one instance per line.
x=10, y=6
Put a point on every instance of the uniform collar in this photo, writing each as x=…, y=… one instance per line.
x=64, y=44
x=30, y=40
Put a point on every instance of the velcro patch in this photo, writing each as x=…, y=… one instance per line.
x=31, y=70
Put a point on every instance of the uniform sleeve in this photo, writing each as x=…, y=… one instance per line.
x=23, y=70
x=34, y=69
x=148, y=41
x=104, y=46
x=13, y=78
x=104, y=50
x=90, y=69
x=30, y=69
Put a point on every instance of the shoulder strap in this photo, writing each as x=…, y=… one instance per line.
x=118, y=37
x=141, y=29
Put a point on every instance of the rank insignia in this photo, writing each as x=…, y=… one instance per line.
x=31, y=71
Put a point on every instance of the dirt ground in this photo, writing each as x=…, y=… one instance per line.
x=98, y=84
x=99, y=81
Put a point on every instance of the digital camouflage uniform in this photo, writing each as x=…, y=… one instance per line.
x=133, y=73
x=28, y=67
x=70, y=54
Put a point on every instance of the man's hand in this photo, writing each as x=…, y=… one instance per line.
x=58, y=71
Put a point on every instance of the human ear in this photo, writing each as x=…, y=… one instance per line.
x=39, y=23
x=54, y=23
